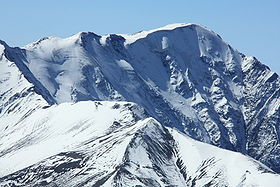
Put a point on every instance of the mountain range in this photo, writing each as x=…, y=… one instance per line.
x=174, y=106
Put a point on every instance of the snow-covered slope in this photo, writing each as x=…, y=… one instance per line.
x=61, y=128
x=18, y=97
x=57, y=147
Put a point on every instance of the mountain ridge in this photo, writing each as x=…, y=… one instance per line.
x=125, y=148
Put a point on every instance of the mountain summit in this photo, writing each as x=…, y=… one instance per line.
x=185, y=81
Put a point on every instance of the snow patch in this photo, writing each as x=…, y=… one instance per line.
x=164, y=42
x=124, y=65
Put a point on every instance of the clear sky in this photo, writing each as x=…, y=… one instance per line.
x=251, y=26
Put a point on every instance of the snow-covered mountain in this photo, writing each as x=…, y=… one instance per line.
x=115, y=144
x=183, y=76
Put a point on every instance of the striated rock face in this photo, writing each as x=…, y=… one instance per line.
x=184, y=76
x=261, y=112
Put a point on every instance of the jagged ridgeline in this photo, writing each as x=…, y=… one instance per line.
x=124, y=110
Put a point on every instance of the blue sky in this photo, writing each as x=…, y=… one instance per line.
x=251, y=26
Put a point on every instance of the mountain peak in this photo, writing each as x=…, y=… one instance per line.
x=3, y=46
x=183, y=75
x=41, y=41
x=3, y=43
x=131, y=38
x=82, y=36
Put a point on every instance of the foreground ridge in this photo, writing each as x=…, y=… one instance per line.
x=123, y=149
